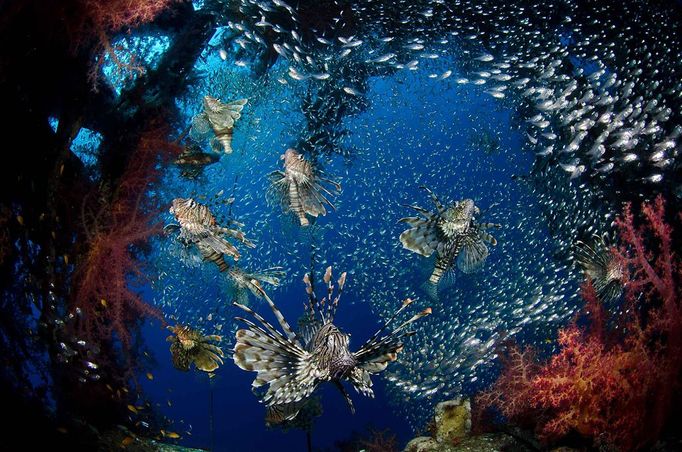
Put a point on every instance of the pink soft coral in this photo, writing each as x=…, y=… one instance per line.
x=613, y=385
x=102, y=290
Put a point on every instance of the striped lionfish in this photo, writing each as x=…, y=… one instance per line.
x=199, y=226
x=603, y=268
x=295, y=364
x=190, y=346
x=193, y=160
x=300, y=189
x=452, y=232
x=219, y=118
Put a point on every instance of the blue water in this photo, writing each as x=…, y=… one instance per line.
x=416, y=131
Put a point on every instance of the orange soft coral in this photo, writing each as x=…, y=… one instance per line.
x=609, y=385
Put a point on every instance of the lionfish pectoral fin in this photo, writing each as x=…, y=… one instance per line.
x=280, y=361
x=420, y=239
x=345, y=395
x=487, y=237
x=473, y=253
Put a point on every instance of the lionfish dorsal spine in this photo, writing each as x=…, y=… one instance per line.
x=278, y=315
x=404, y=304
x=435, y=199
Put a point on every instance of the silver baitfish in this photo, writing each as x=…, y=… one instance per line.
x=299, y=187
x=452, y=232
x=295, y=364
x=601, y=266
x=218, y=117
x=199, y=226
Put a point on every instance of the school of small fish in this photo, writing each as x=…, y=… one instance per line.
x=537, y=116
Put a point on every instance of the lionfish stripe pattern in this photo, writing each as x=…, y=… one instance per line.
x=300, y=187
x=294, y=365
x=452, y=232
x=190, y=346
x=276, y=414
x=220, y=118
x=198, y=225
x=601, y=266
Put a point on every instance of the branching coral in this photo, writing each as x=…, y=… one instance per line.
x=91, y=23
x=513, y=390
x=102, y=282
x=611, y=385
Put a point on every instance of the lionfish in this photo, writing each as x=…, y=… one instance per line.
x=243, y=280
x=295, y=364
x=190, y=346
x=299, y=187
x=603, y=268
x=219, y=118
x=193, y=160
x=452, y=232
x=199, y=226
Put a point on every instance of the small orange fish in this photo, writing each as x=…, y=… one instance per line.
x=172, y=435
x=150, y=376
x=132, y=409
x=127, y=441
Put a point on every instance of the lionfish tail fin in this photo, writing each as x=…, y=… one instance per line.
x=220, y=245
x=430, y=289
x=277, y=414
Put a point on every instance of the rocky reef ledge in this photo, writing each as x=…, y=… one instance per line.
x=450, y=431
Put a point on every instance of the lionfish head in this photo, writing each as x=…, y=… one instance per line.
x=185, y=335
x=334, y=343
x=290, y=155
x=181, y=203
x=211, y=103
x=333, y=334
x=457, y=217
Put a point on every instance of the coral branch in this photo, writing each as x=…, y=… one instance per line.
x=102, y=292
x=609, y=385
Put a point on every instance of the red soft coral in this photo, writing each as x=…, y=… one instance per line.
x=513, y=390
x=90, y=24
x=102, y=290
x=612, y=385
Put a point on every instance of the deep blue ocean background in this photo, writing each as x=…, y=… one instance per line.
x=416, y=131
